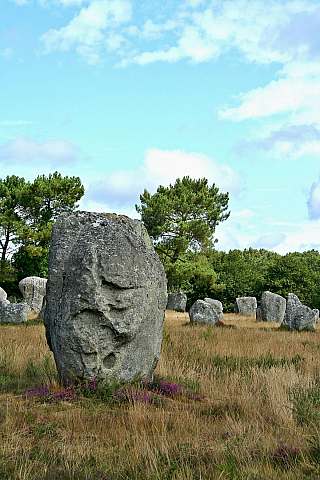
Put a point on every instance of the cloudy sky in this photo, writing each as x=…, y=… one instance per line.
x=130, y=94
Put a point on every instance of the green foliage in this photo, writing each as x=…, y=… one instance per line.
x=305, y=404
x=44, y=200
x=11, y=215
x=28, y=266
x=251, y=272
x=27, y=213
x=183, y=216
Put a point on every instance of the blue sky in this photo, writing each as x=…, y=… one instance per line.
x=131, y=94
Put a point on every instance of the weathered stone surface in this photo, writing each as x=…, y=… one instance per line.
x=106, y=297
x=203, y=312
x=217, y=306
x=33, y=290
x=12, y=299
x=245, y=305
x=177, y=301
x=14, y=312
x=258, y=314
x=292, y=303
x=273, y=307
x=299, y=317
x=43, y=308
x=305, y=318
x=3, y=296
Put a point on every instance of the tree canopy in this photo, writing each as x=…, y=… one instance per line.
x=27, y=213
x=183, y=216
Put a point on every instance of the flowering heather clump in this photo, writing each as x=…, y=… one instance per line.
x=46, y=395
x=285, y=456
x=158, y=385
x=141, y=395
x=169, y=389
x=152, y=392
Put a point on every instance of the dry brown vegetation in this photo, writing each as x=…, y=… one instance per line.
x=257, y=417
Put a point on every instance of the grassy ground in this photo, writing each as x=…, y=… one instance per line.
x=247, y=408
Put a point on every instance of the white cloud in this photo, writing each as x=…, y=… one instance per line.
x=151, y=30
x=114, y=41
x=243, y=214
x=87, y=30
x=6, y=53
x=10, y=123
x=24, y=150
x=278, y=97
x=285, y=141
x=269, y=240
x=251, y=26
x=161, y=167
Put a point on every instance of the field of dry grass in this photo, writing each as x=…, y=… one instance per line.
x=248, y=409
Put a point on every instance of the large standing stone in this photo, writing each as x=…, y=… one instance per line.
x=177, y=301
x=245, y=305
x=106, y=297
x=33, y=290
x=203, y=312
x=299, y=317
x=14, y=312
x=273, y=307
x=3, y=296
x=217, y=306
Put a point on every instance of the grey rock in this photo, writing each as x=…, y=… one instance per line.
x=12, y=299
x=258, y=314
x=217, y=305
x=3, y=296
x=43, y=308
x=106, y=297
x=203, y=312
x=14, y=312
x=33, y=290
x=292, y=303
x=177, y=301
x=299, y=317
x=273, y=307
x=305, y=318
x=246, y=305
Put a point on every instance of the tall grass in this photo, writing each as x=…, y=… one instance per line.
x=226, y=403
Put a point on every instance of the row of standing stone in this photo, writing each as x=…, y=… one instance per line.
x=292, y=314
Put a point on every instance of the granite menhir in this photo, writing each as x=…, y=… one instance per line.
x=106, y=297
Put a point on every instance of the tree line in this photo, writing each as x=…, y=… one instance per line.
x=181, y=220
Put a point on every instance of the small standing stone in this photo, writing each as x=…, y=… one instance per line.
x=292, y=303
x=14, y=312
x=203, y=312
x=299, y=317
x=258, y=314
x=217, y=305
x=273, y=307
x=177, y=301
x=33, y=290
x=245, y=305
x=3, y=296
